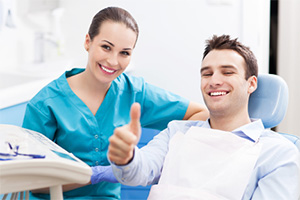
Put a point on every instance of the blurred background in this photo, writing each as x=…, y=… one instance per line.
x=40, y=39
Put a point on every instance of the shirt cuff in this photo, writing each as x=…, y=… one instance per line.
x=124, y=173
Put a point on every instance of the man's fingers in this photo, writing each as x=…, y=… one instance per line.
x=125, y=134
x=121, y=146
x=135, y=114
x=124, y=139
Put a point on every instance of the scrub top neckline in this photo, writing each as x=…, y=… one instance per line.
x=76, y=100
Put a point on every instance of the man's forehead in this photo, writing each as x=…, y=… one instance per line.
x=222, y=59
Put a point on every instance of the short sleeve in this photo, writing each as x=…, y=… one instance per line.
x=160, y=107
x=37, y=121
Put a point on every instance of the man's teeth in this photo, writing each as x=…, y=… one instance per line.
x=107, y=70
x=217, y=93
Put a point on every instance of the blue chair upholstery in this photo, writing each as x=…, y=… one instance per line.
x=269, y=102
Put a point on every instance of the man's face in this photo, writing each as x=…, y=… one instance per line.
x=224, y=87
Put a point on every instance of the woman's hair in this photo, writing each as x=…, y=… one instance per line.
x=113, y=14
x=224, y=42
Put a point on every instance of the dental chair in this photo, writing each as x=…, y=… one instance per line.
x=269, y=103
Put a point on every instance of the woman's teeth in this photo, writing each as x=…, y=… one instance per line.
x=107, y=70
x=217, y=93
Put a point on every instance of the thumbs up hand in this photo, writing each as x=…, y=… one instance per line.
x=124, y=139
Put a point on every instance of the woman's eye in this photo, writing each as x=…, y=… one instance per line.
x=105, y=47
x=228, y=73
x=125, y=53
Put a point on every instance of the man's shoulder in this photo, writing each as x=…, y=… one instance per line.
x=183, y=125
x=277, y=142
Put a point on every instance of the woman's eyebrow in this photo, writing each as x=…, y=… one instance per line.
x=127, y=49
x=109, y=42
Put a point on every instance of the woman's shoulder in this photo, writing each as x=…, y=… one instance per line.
x=51, y=90
x=129, y=82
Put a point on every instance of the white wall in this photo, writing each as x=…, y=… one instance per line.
x=171, y=40
x=289, y=59
x=172, y=35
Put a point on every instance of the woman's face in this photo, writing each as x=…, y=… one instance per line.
x=110, y=51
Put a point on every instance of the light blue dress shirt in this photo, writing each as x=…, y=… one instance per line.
x=275, y=176
x=60, y=115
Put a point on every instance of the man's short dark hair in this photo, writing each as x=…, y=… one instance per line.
x=225, y=42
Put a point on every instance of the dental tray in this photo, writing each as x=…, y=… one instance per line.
x=29, y=160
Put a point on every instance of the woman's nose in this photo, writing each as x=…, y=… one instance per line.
x=113, y=59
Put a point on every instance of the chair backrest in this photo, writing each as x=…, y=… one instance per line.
x=269, y=102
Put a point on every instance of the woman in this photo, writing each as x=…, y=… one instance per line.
x=80, y=110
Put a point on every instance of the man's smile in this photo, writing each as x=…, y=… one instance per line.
x=219, y=93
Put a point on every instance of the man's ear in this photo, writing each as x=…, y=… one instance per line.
x=252, y=80
x=87, y=42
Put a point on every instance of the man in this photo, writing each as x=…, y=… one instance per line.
x=229, y=156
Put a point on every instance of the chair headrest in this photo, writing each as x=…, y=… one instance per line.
x=269, y=101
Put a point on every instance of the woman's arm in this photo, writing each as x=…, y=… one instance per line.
x=196, y=111
x=100, y=173
x=65, y=188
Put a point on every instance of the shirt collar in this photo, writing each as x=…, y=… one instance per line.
x=206, y=124
x=252, y=130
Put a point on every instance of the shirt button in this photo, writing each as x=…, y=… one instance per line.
x=97, y=162
x=96, y=136
x=96, y=149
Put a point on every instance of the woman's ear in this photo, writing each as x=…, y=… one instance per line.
x=87, y=42
x=252, y=80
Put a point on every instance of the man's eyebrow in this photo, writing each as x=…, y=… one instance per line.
x=222, y=67
x=203, y=69
x=228, y=67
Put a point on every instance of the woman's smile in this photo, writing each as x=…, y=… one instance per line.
x=107, y=70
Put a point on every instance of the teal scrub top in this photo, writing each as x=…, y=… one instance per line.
x=60, y=115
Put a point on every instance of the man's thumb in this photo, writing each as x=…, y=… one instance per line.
x=135, y=114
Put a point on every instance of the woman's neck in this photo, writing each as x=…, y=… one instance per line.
x=88, y=89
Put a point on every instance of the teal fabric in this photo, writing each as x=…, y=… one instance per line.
x=60, y=115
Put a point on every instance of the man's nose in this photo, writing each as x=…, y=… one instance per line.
x=216, y=79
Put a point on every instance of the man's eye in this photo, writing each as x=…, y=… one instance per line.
x=206, y=74
x=228, y=73
x=105, y=47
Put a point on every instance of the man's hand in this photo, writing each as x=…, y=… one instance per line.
x=124, y=139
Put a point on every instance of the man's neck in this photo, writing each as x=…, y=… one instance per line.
x=228, y=123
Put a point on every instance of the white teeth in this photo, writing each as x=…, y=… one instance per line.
x=107, y=70
x=217, y=93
